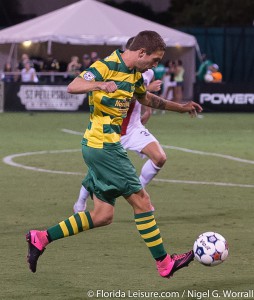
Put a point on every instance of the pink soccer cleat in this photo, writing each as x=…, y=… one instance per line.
x=173, y=263
x=37, y=241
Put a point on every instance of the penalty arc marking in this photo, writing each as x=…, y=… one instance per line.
x=9, y=160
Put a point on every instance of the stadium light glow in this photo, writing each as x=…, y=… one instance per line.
x=27, y=44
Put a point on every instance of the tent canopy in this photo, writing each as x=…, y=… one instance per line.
x=89, y=22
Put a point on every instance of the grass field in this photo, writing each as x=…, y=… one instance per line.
x=115, y=258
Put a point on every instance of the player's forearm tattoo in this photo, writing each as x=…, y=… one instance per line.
x=156, y=102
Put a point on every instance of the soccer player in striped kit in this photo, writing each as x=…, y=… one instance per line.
x=135, y=137
x=111, y=84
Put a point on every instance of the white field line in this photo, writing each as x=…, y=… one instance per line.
x=210, y=154
x=205, y=183
x=71, y=131
x=187, y=150
x=9, y=161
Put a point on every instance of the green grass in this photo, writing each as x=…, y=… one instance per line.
x=115, y=257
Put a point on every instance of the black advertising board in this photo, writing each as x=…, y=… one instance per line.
x=40, y=97
x=225, y=97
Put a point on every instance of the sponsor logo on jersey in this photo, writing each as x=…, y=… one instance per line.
x=89, y=76
x=123, y=105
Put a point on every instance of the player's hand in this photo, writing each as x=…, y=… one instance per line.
x=154, y=86
x=192, y=108
x=108, y=87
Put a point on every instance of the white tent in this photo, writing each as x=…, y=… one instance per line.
x=89, y=22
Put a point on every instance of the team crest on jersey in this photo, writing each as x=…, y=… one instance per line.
x=89, y=76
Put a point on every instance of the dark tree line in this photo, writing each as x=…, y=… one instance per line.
x=204, y=13
x=211, y=13
x=193, y=13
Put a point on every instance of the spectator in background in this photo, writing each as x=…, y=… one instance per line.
x=28, y=73
x=159, y=72
x=73, y=67
x=51, y=64
x=203, y=68
x=179, y=72
x=94, y=57
x=9, y=77
x=24, y=58
x=169, y=81
x=213, y=74
x=217, y=76
x=86, y=62
x=37, y=63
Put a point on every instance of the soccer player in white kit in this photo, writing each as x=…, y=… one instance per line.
x=135, y=137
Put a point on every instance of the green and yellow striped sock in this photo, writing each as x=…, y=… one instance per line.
x=150, y=232
x=73, y=225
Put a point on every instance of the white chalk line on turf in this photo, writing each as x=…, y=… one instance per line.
x=9, y=161
x=186, y=150
x=72, y=132
x=205, y=183
x=210, y=154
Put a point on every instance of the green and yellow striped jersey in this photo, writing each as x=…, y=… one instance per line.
x=107, y=110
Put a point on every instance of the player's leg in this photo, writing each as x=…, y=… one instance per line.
x=150, y=232
x=80, y=204
x=140, y=140
x=101, y=215
x=101, y=169
x=157, y=158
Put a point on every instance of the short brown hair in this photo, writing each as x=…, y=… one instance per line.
x=151, y=41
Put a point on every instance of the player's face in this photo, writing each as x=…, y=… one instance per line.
x=146, y=61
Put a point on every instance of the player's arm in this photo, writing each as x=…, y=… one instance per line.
x=154, y=86
x=146, y=113
x=81, y=86
x=157, y=102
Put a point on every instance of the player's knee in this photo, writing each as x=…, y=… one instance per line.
x=160, y=160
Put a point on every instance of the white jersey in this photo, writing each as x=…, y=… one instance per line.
x=132, y=119
x=135, y=136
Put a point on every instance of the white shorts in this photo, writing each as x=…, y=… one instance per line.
x=137, y=139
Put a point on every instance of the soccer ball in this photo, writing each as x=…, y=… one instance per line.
x=210, y=249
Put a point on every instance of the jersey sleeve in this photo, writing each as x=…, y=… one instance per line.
x=98, y=71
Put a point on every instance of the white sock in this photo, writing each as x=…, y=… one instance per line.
x=83, y=195
x=148, y=172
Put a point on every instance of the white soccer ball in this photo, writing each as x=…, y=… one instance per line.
x=210, y=249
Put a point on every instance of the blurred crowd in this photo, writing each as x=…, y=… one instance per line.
x=35, y=69
x=171, y=74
